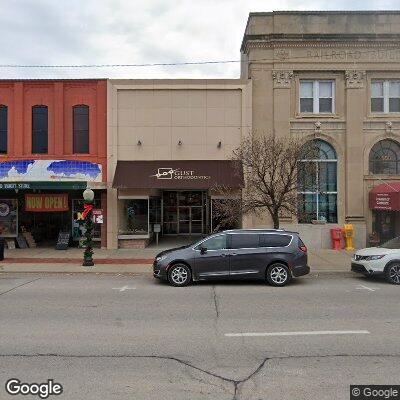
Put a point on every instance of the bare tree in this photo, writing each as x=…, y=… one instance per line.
x=270, y=166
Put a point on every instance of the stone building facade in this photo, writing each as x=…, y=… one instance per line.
x=333, y=77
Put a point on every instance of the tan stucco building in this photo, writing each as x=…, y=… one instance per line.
x=169, y=142
x=333, y=77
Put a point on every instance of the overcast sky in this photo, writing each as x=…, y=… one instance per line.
x=132, y=31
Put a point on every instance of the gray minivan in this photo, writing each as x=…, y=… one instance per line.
x=273, y=255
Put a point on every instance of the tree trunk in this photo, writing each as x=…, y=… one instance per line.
x=275, y=219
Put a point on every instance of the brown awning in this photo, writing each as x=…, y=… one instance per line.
x=385, y=197
x=178, y=174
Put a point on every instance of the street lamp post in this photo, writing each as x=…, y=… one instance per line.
x=88, y=196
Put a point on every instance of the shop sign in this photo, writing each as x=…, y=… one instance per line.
x=42, y=185
x=98, y=216
x=46, y=202
x=170, y=173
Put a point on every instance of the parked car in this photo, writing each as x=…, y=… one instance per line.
x=383, y=260
x=272, y=255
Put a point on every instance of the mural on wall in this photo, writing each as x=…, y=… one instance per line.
x=50, y=170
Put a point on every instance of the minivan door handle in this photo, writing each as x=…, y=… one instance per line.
x=233, y=254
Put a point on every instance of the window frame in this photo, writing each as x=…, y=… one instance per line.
x=4, y=107
x=133, y=236
x=372, y=162
x=317, y=192
x=40, y=106
x=75, y=132
x=385, y=96
x=316, y=98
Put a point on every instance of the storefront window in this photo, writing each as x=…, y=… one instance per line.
x=9, y=217
x=134, y=217
x=384, y=158
x=155, y=211
x=317, y=183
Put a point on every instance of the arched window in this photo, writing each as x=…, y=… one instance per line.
x=384, y=158
x=80, y=129
x=3, y=129
x=40, y=130
x=317, y=183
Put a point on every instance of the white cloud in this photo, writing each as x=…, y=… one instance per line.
x=132, y=31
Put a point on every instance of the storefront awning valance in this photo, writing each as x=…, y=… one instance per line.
x=385, y=197
x=178, y=174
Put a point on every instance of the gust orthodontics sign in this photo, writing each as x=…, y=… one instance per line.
x=46, y=202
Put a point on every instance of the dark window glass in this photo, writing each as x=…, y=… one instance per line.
x=81, y=129
x=3, y=129
x=394, y=105
x=384, y=158
x=306, y=105
x=325, y=105
x=244, y=241
x=273, y=240
x=214, y=243
x=39, y=130
x=377, y=105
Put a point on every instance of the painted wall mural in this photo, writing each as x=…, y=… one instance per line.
x=50, y=170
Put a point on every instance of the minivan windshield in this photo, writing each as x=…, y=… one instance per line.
x=392, y=243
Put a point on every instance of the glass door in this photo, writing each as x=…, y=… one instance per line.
x=184, y=219
x=196, y=220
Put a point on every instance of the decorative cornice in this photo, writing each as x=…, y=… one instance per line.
x=354, y=79
x=282, y=79
x=393, y=44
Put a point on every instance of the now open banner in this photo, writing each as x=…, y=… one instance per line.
x=46, y=202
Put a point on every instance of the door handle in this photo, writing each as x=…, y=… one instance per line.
x=223, y=255
x=233, y=254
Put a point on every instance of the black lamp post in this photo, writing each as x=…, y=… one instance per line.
x=88, y=196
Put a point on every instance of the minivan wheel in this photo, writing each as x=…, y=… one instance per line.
x=179, y=275
x=278, y=274
x=392, y=274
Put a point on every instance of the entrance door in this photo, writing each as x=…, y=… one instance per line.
x=385, y=225
x=190, y=220
x=184, y=219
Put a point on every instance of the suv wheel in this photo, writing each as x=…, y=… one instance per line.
x=179, y=275
x=278, y=274
x=392, y=274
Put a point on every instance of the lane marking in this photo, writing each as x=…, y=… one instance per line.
x=123, y=288
x=362, y=287
x=300, y=333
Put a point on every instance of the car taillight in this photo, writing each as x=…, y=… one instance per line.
x=303, y=248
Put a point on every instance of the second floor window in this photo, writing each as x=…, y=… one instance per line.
x=3, y=129
x=316, y=97
x=81, y=129
x=39, y=130
x=385, y=97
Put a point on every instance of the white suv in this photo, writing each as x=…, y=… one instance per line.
x=383, y=260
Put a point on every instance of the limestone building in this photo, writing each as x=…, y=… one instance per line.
x=333, y=77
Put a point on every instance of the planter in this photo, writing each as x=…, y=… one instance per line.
x=318, y=221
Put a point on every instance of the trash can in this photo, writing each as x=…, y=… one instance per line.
x=336, y=236
x=2, y=243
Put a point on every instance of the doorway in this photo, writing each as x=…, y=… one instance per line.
x=190, y=220
x=184, y=212
x=384, y=225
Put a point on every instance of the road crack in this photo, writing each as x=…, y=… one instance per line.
x=215, y=298
x=236, y=383
x=18, y=286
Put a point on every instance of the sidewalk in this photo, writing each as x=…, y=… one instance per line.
x=131, y=260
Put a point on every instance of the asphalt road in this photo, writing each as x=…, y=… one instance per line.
x=129, y=337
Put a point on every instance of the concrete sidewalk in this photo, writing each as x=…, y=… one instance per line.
x=131, y=260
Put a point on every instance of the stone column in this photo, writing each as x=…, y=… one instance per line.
x=281, y=93
x=356, y=98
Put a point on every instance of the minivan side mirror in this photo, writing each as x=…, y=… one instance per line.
x=203, y=250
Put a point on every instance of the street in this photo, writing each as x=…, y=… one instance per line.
x=130, y=337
